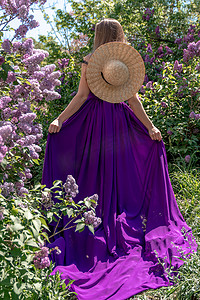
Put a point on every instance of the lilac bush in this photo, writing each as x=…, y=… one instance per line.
x=20, y=134
x=19, y=9
x=170, y=94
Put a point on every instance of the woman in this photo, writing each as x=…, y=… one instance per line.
x=115, y=151
x=108, y=30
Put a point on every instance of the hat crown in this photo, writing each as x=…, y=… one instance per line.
x=115, y=72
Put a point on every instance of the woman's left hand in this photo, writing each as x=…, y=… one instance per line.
x=155, y=133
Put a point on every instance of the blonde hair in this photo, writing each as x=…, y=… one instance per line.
x=108, y=30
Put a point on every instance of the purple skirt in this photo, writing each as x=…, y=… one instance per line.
x=109, y=152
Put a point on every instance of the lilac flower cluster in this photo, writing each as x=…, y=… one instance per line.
x=193, y=49
x=187, y=158
x=161, y=52
x=147, y=14
x=7, y=188
x=63, y=63
x=157, y=31
x=90, y=218
x=178, y=67
x=164, y=104
x=18, y=127
x=41, y=259
x=95, y=198
x=71, y=188
x=169, y=132
x=47, y=201
x=20, y=9
x=192, y=115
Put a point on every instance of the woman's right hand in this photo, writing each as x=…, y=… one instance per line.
x=55, y=126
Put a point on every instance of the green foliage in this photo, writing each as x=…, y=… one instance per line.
x=23, y=229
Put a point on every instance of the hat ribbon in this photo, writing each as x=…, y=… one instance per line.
x=105, y=79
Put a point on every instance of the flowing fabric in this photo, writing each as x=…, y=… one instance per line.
x=109, y=152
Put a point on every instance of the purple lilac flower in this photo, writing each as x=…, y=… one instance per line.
x=6, y=46
x=11, y=77
x=36, y=58
x=169, y=132
x=142, y=90
x=177, y=66
x=192, y=115
x=70, y=74
x=147, y=58
x=149, y=84
x=168, y=50
x=51, y=95
x=22, y=12
x=27, y=118
x=188, y=38
x=197, y=116
x=191, y=28
x=2, y=60
x=16, y=46
x=178, y=41
x=152, y=59
x=149, y=48
x=5, y=132
x=21, y=31
x=4, y=101
x=164, y=104
x=22, y=191
x=160, y=50
x=187, y=158
x=41, y=259
x=33, y=24
x=90, y=218
x=70, y=186
x=28, y=46
x=63, y=62
x=95, y=198
x=157, y=31
x=7, y=188
x=48, y=69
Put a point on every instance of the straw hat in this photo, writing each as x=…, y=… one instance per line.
x=115, y=72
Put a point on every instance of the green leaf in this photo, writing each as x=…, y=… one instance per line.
x=43, y=222
x=32, y=243
x=16, y=227
x=80, y=226
x=36, y=161
x=28, y=215
x=91, y=228
x=38, y=286
x=16, y=252
x=70, y=212
x=16, y=289
x=37, y=224
x=46, y=236
x=35, y=232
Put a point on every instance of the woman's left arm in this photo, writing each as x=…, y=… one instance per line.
x=138, y=109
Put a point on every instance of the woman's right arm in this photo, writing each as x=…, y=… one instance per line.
x=74, y=105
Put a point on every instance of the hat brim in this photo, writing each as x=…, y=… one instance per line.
x=126, y=54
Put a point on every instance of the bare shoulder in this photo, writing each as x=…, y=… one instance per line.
x=87, y=57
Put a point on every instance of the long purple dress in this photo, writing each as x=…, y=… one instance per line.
x=109, y=152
